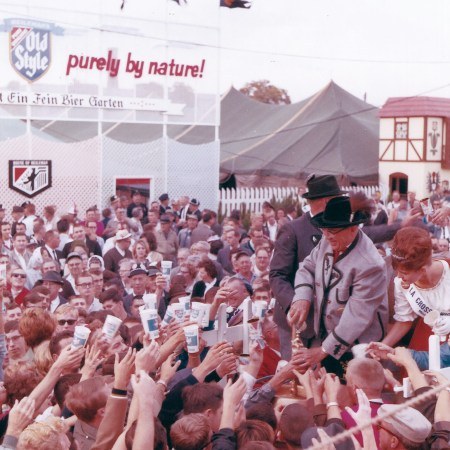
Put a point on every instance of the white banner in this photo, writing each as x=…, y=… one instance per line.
x=89, y=101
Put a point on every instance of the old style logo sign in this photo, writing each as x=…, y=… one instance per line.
x=30, y=177
x=29, y=49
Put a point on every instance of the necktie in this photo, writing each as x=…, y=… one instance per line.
x=55, y=256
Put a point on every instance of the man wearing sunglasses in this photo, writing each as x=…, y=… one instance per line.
x=345, y=279
x=18, y=280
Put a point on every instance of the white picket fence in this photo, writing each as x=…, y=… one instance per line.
x=254, y=198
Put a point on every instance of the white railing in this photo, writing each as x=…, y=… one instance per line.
x=254, y=198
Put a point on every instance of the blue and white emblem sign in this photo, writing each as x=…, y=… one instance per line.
x=30, y=50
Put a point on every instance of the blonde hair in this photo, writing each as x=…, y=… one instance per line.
x=43, y=435
x=43, y=358
x=67, y=309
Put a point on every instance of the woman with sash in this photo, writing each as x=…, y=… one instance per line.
x=422, y=285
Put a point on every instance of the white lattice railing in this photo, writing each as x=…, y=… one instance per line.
x=254, y=198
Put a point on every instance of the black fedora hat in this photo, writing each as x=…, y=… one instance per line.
x=338, y=214
x=322, y=186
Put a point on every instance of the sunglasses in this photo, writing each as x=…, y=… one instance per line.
x=69, y=322
x=18, y=275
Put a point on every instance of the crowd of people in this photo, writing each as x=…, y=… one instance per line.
x=103, y=314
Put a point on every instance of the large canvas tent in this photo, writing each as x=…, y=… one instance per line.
x=332, y=132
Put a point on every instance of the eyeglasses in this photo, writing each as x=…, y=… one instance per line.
x=85, y=285
x=18, y=275
x=68, y=321
x=332, y=231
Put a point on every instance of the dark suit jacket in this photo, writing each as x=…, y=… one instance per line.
x=294, y=243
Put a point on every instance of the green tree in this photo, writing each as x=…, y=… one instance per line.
x=264, y=92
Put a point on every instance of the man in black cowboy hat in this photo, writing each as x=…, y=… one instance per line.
x=345, y=278
x=294, y=243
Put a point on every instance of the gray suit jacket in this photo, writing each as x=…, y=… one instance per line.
x=201, y=233
x=349, y=295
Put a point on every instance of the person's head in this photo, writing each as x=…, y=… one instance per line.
x=18, y=278
x=256, y=236
x=84, y=285
x=164, y=199
x=38, y=297
x=140, y=250
x=232, y=238
x=20, y=242
x=44, y=435
x=182, y=255
x=87, y=400
x=294, y=419
x=406, y=429
x=192, y=221
x=136, y=303
x=20, y=379
x=78, y=302
x=91, y=229
x=49, y=265
x=5, y=228
x=123, y=240
x=36, y=325
x=238, y=292
x=194, y=204
x=411, y=252
x=21, y=228
x=78, y=233
x=206, y=399
x=243, y=263
x=338, y=224
x=51, y=238
x=15, y=343
x=207, y=270
x=153, y=217
x=13, y=312
x=138, y=280
x=53, y=282
x=97, y=281
x=58, y=342
x=191, y=432
x=109, y=299
x=125, y=268
x=395, y=196
x=262, y=411
x=66, y=318
x=366, y=374
x=63, y=225
x=443, y=245
x=200, y=248
x=262, y=259
x=253, y=430
x=74, y=264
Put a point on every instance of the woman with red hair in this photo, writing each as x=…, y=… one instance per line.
x=422, y=285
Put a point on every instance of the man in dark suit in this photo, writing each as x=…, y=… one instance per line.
x=294, y=243
x=224, y=256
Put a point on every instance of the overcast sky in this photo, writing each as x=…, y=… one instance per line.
x=384, y=48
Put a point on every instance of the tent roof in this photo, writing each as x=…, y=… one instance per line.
x=331, y=132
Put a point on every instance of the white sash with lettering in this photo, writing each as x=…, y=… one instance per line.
x=419, y=305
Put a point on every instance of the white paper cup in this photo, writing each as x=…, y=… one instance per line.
x=168, y=316
x=178, y=311
x=359, y=350
x=205, y=318
x=150, y=300
x=166, y=267
x=191, y=333
x=149, y=318
x=111, y=326
x=260, y=308
x=197, y=312
x=80, y=336
x=186, y=302
x=281, y=364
